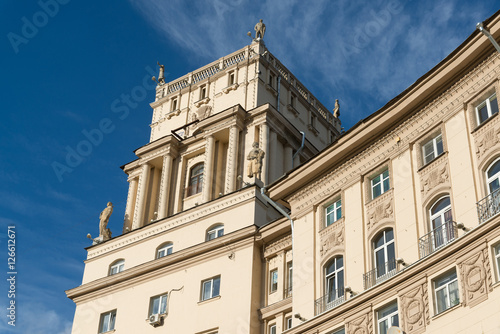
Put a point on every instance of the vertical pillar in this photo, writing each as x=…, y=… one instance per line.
x=264, y=145
x=141, y=197
x=163, y=199
x=129, y=209
x=273, y=150
x=288, y=155
x=208, y=168
x=232, y=159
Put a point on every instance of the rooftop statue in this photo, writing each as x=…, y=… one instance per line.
x=336, y=109
x=105, y=232
x=161, y=76
x=255, y=165
x=260, y=30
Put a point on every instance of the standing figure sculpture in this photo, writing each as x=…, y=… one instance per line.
x=260, y=30
x=105, y=232
x=161, y=76
x=336, y=110
x=255, y=164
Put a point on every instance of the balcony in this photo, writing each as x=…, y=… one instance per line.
x=488, y=206
x=380, y=274
x=287, y=292
x=437, y=238
x=328, y=301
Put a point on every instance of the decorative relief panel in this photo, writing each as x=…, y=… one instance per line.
x=434, y=175
x=278, y=245
x=331, y=237
x=473, y=275
x=487, y=138
x=380, y=209
x=415, y=310
x=361, y=325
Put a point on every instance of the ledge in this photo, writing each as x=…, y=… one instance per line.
x=201, y=302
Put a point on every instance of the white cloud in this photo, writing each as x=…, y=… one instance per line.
x=36, y=319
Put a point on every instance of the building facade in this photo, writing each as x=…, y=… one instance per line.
x=232, y=225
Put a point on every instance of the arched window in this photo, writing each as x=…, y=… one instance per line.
x=215, y=232
x=442, y=222
x=164, y=250
x=116, y=267
x=334, y=279
x=195, y=179
x=493, y=176
x=384, y=253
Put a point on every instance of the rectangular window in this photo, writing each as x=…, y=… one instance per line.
x=203, y=92
x=292, y=100
x=432, y=149
x=446, y=291
x=107, y=321
x=231, y=79
x=288, y=322
x=497, y=259
x=333, y=212
x=273, y=281
x=380, y=184
x=271, y=80
x=486, y=109
x=272, y=329
x=387, y=317
x=158, y=305
x=174, y=105
x=210, y=288
x=164, y=251
x=289, y=267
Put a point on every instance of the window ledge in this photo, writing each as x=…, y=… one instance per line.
x=111, y=331
x=447, y=311
x=432, y=161
x=201, y=302
x=495, y=285
x=175, y=112
x=230, y=88
x=484, y=123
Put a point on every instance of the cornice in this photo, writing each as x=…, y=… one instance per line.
x=275, y=308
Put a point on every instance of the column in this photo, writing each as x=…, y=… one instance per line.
x=232, y=159
x=164, y=197
x=288, y=155
x=129, y=209
x=141, y=197
x=208, y=168
x=273, y=149
x=264, y=145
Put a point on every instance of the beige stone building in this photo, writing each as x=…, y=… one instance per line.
x=392, y=224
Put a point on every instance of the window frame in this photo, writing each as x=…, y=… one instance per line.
x=216, y=230
x=336, y=211
x=271, y=327
x=385, y=245
x=334, y=275
x=196, y=187
x=495, y=177
x=120, y=264
x=174, y=104
x=496, y=258
x=388, y=317
x=273, y=280
x=231, y=78
x=445, y=287
x=381, y=182
x=162, y=297
x=486, y=102
x=288, y=322
x=168, y=246
x=111, y=322
x=203, y=92
x=435, y=148
x=211, y=280
x=443, y=233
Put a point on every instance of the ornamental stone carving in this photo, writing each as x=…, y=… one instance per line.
x=331, y=237
x=487, y=138
x=434, y=175
x=360, y=325
x=414, y=307
x=278, y=245
x=474, y=279
x=382, y=208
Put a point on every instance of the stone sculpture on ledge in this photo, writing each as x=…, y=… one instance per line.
x=255, y=164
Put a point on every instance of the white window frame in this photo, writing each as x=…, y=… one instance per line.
x=446, y=288
x=496, y=252
x=116, y=267
x=333, y=277
x=162, y=304
x=487, y=103
x=231, y=78
x=387, y=319
x=441, y=233
x=333, y=210
x=288, y=322
x=289, y=266
x=435, y=148
x=384, y=247
x=272, y=329
x=490, y=179
x=273, y=280
x=380, y=182
x=203, y=92
x=107, y=324
x=215, y=232
x=209, y=283
x=174, y=104
x=165, y=250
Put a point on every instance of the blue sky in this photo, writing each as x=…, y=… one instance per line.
x=66, y=69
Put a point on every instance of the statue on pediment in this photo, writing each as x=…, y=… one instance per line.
x=255, y=158
x=105, y=232
x=260, y=30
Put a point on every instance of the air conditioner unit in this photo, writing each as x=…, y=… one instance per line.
x=155, y=319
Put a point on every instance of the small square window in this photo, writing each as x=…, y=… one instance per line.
x=273, y=282
x=210, y=288
x=486, y=109
x=333, y=212
x=215, y=232
x=380, y=184
x=432, y=149
x=446, y=291
x=164, y=250
x=107, y=321
x=158, y=304
x=497, y=259
x=117, y=267
x=272, y=329
x=387, y=317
